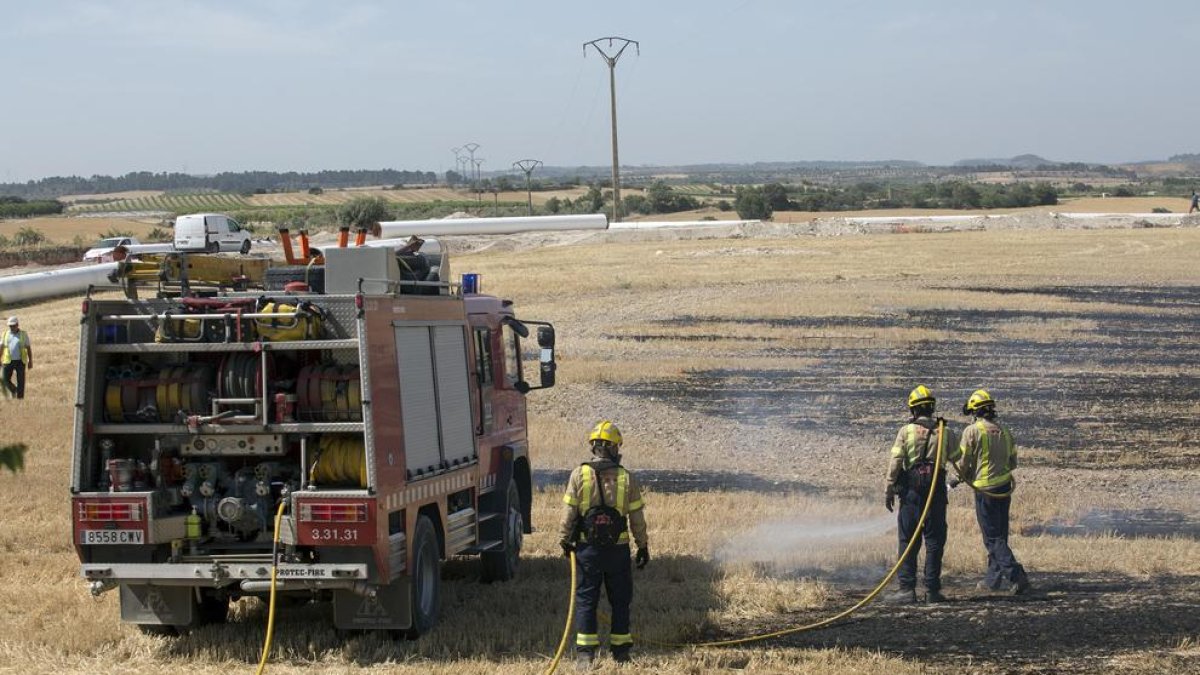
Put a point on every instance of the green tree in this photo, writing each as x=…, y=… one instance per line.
x=751, y=204
x=659, y=198
x=593, y=201
x=362, y=212
x=553, y=205
x=777, y=196
x=636, y=203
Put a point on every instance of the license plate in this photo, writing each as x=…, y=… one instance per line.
x=94, y=537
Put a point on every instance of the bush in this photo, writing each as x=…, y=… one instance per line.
x=362, y=212
x=1160, y=209
x=114, y=233
x=160, y=235
x=27, y=236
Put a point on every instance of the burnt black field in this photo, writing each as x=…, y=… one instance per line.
x=1127, y=382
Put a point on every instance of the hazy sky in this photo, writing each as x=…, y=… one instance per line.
x=162, y=85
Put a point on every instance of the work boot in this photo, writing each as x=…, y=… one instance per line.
x=1020, y=586
x=985, y=587
x=584, y=660
x=621, y=656
x=901, y=596
x=934, y=597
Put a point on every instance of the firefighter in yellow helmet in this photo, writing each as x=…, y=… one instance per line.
x=603, y=507
x=16, y=355
x=989, y=457
x=910, y=477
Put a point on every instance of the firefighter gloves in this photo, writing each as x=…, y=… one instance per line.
x=567, y=547
x=643, y=557
x=890, y=500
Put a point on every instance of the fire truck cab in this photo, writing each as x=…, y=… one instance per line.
x=351, y=440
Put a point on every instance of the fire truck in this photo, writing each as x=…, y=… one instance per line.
x=349, y=430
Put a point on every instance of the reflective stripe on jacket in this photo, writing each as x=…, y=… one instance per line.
x=989, y=454
x=620, y=490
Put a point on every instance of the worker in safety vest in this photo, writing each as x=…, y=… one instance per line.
x=603, y=507
x=989, y=457
x=910, y=477
x=16, y=354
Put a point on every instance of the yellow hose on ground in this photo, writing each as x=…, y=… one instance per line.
x=562, y=644
x=937, y=469
x=266, y=650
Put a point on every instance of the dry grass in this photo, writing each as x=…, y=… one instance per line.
x=63, y=230
x=725, y=560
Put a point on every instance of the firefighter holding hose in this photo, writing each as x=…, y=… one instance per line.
x=989, y=457
x=603, y=506
x=910, y=478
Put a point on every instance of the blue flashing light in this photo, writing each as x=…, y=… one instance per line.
x=470, y=283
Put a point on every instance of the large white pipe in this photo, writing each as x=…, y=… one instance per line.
x=445, y=226
x=667, y=224
x=51, y=283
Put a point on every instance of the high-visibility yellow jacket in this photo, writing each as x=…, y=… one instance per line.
x=989, y=454
x=5, y=357
x=621, y=492
x=911, y=441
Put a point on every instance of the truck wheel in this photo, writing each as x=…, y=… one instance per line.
x=245, y=247
x=212, y=609
x=278, y=277
x=502, y=565
x=426, y=578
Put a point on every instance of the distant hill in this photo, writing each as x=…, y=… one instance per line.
x=1026, y=161
x=1186, y=158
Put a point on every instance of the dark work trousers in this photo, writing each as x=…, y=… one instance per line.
x=992, y=515
x=912, y=501
x=610, y=566
x=17, y=367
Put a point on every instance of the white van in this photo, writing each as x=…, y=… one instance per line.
x=211, y=232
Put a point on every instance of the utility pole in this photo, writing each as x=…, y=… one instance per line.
x=457, y=159
x=528, y=165
x=611, y=58
x=471, y=148
x=478, y=190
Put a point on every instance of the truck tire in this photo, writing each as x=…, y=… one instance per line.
x=502, y=565
x=426, y=578
x=278, y=277
x=245, y=247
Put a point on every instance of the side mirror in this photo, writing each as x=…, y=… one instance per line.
x=518, y=327
x=546, y=364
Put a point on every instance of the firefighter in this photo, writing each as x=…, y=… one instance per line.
x=16, y=355
x=603, y=507
x=910, y=478
x=989, y=457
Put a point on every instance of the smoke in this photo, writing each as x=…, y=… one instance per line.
x=842, y=547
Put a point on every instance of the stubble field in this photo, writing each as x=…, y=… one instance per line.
x=759, y=382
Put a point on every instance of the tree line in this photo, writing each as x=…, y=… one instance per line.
x=759, y=202
x=17, y=207
x=228, y=181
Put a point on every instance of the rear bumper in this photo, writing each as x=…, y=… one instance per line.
x=221, y=574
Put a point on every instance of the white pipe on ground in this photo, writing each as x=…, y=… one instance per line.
x=51, y=283
x=445, y=226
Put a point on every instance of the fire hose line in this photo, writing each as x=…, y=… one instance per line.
x=937, y=468
x=266, y=650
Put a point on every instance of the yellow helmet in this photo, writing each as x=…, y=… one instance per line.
x=978, y=401
x=606, y=431
x=920, y=396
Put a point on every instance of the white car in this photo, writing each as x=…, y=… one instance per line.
x=103, y=249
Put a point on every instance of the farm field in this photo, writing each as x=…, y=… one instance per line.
x=759, y=382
